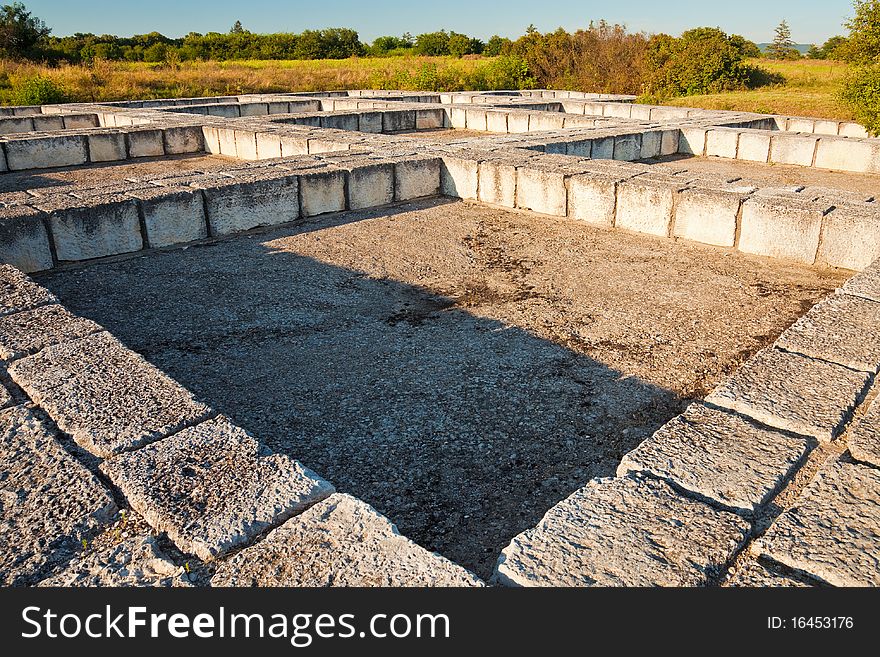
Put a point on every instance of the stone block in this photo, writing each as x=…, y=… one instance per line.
x=545, y=121
x=721, y=142
x=497, y=183
x=645, y=206
x=628, y=148
x=831, y=532
x=339, y=542
x=16, y=125
x=370, y=122
x=618, y=110
x=459, y=177
x=793, y=149
x=24, y=242
x=851, y=237
x=226, y=110
x=398, y=120
x=322, y=192
x=794, y=393
x=853, y=130
x=541, y=190
x=780, y=228
x=95, y=227
x=719, y=457
x=863, y=438
x=707, y=215
x=796, y=124
x=146, y=143
x=212, y=487
x=580, y=148
x=692, y=141
x=50, y=502
x=80, y=121
x=496, y=122
x=848, y=155
x=429, y=119
x=370, y=185
x=865, y=284
x=652, y=143
x=107, y=147
x=253, y=109
x=416, y=178
x=842, y=329
x=52, y=122
x=292, y=145
x=234, y=205
x=183, y=139
x=172, y=215
x=592, y=198
x=46, y=152
x=623, y=532
x=268, y=145
x=602, y=148
x=246, y=145
x=754, y=146
x=104, y=395
x=517, y=122
x=19, y=293
x=341, y=122
x=27, y=332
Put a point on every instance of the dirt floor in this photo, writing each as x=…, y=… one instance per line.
x=441, y=134
x=459, y=367
x=773, y=175
x=37, y=179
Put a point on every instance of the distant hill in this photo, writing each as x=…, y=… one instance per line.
x=802, y=47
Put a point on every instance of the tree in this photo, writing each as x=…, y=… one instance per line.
x=237, y=28
x=863, y=44
x=495, y=46
x=20, y=32
x=782, y=46
x=747, y=48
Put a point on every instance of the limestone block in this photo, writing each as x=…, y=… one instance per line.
x=722, y=142
x=580, y=148
x=842, y=329
x=754, y=146
x=848, y=155
x=43, y=123
x=95, y=227
x=339, y=542
x=496, y=122
x=245, y=145
x=46, y=152
x=253, y=109
x=853, y=130
x=794, y=393
x=291, y=145
x=226, y=110
x=340, y=122
x=212, y=487
x=544, y=121
x=370, y=122
x=268, y=145
x=429, y=119
x=831, y=531
x=707, y=215
x=669, y=142
x=497, y=183
x=692, y=141
x=458, y=118
x=780, y=228
x=146, y=143
x=719, y=457
x=628, y=147
x=796, y=124
x=24, y=242
x=623, y=532
x=851, y=237
x=602, y=148
x=183, y=139
x=416, y=178
x=30, y=331
x=541, y=190
x=518, y=122
x=645, y=206
x=592, y=198
x=104, y=395
x=49, y=501
x=459, y=177
x=107, y=147
x=322, y=192
x=172, y=215
x=652, y=142
x=237, y=204
x=866, y=284
x=16, y=125
x=864, y=436
x=793, y=149
x=370, y=185
x=19, y=293
x=618, y=110
x=79, y=121
x=398, y=120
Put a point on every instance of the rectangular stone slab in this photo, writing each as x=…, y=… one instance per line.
x=106, y=396
x=339, y=542
x=794, y=393
x=626, y=531
x=842, y=329
x=212, y=487
x=831, y=533
x=25, y=333
x=49, y=502
x=863, y=437
x=866, y=284
x=18, y=292
x=720, y=457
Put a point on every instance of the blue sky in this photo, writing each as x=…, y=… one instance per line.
x=811, y=22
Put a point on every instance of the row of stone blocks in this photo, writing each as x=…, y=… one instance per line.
x=47, y=123
x=107, y=221
x=803, y=226
x=189, y=472
x=684, y=502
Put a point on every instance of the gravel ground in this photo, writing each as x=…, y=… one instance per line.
x=459, y=367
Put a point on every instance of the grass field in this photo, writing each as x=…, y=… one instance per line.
x=810, y=89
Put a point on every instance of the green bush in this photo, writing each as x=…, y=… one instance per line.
x=861, y=92
x=37, y=90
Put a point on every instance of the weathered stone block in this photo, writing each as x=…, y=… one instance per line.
x=234, y=205
x=27, y=332
x=851, y=236
x=692, y=141
x=24, y=242
x=793, y=149
x=628, y=147
x=398, y=120
x=708, y=216
x=104, y=395
x=416, y=178
x=183, y=139
x=831, y=531
x=541, y=190
x=46, y=152
x=172, y=215
x=645, y=206
x=721, y=142
x=370, y=122
x=517, y=122
x=754, y=146
x=253, y=109
x=864, y=436
x=497, y=183
x=340, y=121
x=107, y=147
x=719, y=457
x=592, y=198
x=780, y=228
x=19, y=293
x=847, y=155
x=496, y=122
x=623, y=532
x=146, y=143
x=322, y=192
x=866, y=284
x=96, y=227
x=49, y=501
x=44, y=123
x=794, y=393
x=268, y=145
x=339, y=542
x=79, y=121
x=293, y=145
x=212, y=487
x=429, y=119
x=370, y=185
x=459, y=177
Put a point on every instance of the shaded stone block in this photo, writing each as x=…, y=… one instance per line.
x=237, y=204
x=24, y=242
x=95, y=227
x=27, y=332
x=46, y=152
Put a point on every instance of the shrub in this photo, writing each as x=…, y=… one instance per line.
x=863, y=44
x=37, y=90
x=861, y=92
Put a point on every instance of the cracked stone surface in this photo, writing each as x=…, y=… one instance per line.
x=18, y=292
x=842, y=329
x=28, y=332
x=105, y=395
x=832, y=532
x=865, y=284
x=48, y=501
x=213, y=487
x=719, y=456
x=340, y=542
x=135, y=561
x=623, y=532
x=864, y=436
x=792, y=392
x=755, y=575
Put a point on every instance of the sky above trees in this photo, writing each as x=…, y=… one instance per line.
x=811, y=21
